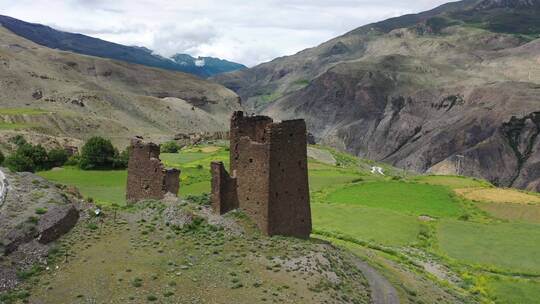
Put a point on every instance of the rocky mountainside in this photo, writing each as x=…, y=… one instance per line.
x=86, y=45
x=62, y=94
x=453, y=90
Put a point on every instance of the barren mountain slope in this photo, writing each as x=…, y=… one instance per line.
x=429, y=92
x=82, y=95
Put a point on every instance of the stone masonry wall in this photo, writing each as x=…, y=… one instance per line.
x=289, y=212
x=251, y=126
x=224, y=197
x=253, y=179
x=269, y=170
x=147, y=177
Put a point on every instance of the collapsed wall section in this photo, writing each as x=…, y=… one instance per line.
x=224, y=198
x=147, y=177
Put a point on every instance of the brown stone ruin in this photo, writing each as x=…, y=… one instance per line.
x=147, y=177
x=269, y=178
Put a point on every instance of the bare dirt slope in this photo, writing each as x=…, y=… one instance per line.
x=83, y=95
x=455, y=90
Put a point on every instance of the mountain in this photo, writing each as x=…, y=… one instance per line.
x=454, y=90
x=211, y=65
x=86, y=45
x=53, y=93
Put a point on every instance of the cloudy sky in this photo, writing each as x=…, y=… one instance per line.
x=249, y=32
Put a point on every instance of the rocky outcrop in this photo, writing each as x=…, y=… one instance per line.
x=56, y=222
x=34, y=209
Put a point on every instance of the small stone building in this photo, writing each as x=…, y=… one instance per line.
x=269, y=179
x=147, y=177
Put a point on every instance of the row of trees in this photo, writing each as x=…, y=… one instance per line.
x=33, y=158
x=96, y=154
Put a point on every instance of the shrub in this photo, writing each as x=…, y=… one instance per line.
x=19, y=163
x=74, y=160
x=18, y=140
x=97, y=153
x=169, y=147
x=121, y=160
x=37, y=154
x=57, y=157
x=41, y=211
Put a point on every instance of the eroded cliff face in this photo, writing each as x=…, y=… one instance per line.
x=488, y=131
x=432, y=92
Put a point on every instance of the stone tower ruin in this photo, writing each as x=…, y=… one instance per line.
x=147, y=177
x=268, y=178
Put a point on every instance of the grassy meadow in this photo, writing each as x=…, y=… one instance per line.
x=486, y=237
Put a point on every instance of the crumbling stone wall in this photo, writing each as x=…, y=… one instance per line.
x=269, y=174
x=252, y=127
x=224, y=197
x=147, y=177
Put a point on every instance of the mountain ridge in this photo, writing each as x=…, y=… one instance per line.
x=78, y=96
x=86, y=45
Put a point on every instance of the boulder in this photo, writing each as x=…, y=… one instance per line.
x=57, y=222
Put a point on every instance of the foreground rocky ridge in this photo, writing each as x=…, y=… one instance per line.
x=33, y=213
x=428, y=92
x=175, y=250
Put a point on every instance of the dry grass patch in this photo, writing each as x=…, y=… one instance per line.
x=508, y=211
x=210, y=149
x=497, y=195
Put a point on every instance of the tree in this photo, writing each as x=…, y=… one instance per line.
x=20, y=163
x=57, y=157
x=37, y=154
x=97, y=153
x=121, y=160
x=169, y=147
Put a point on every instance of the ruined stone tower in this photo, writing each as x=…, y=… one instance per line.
x=147, y=177
x=269, y=175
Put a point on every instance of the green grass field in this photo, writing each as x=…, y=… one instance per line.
x=511, y=247
x=368, y=224
x=454, y=182
x=22, y=111
x=15, y=126
x=105, y=187
x=514, y=291
x=409, y=198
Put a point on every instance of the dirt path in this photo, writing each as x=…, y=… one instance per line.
x=382, y=292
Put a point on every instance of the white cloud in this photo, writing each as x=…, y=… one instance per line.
x=249, y=32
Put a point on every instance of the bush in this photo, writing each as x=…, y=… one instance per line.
x=98, y=153
x=169, y=147
x=2, y=158
x=121, y=160
x=57, y=157
x=37, y=154
x=18, y=140
x=19, y=163
x=74, y=160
